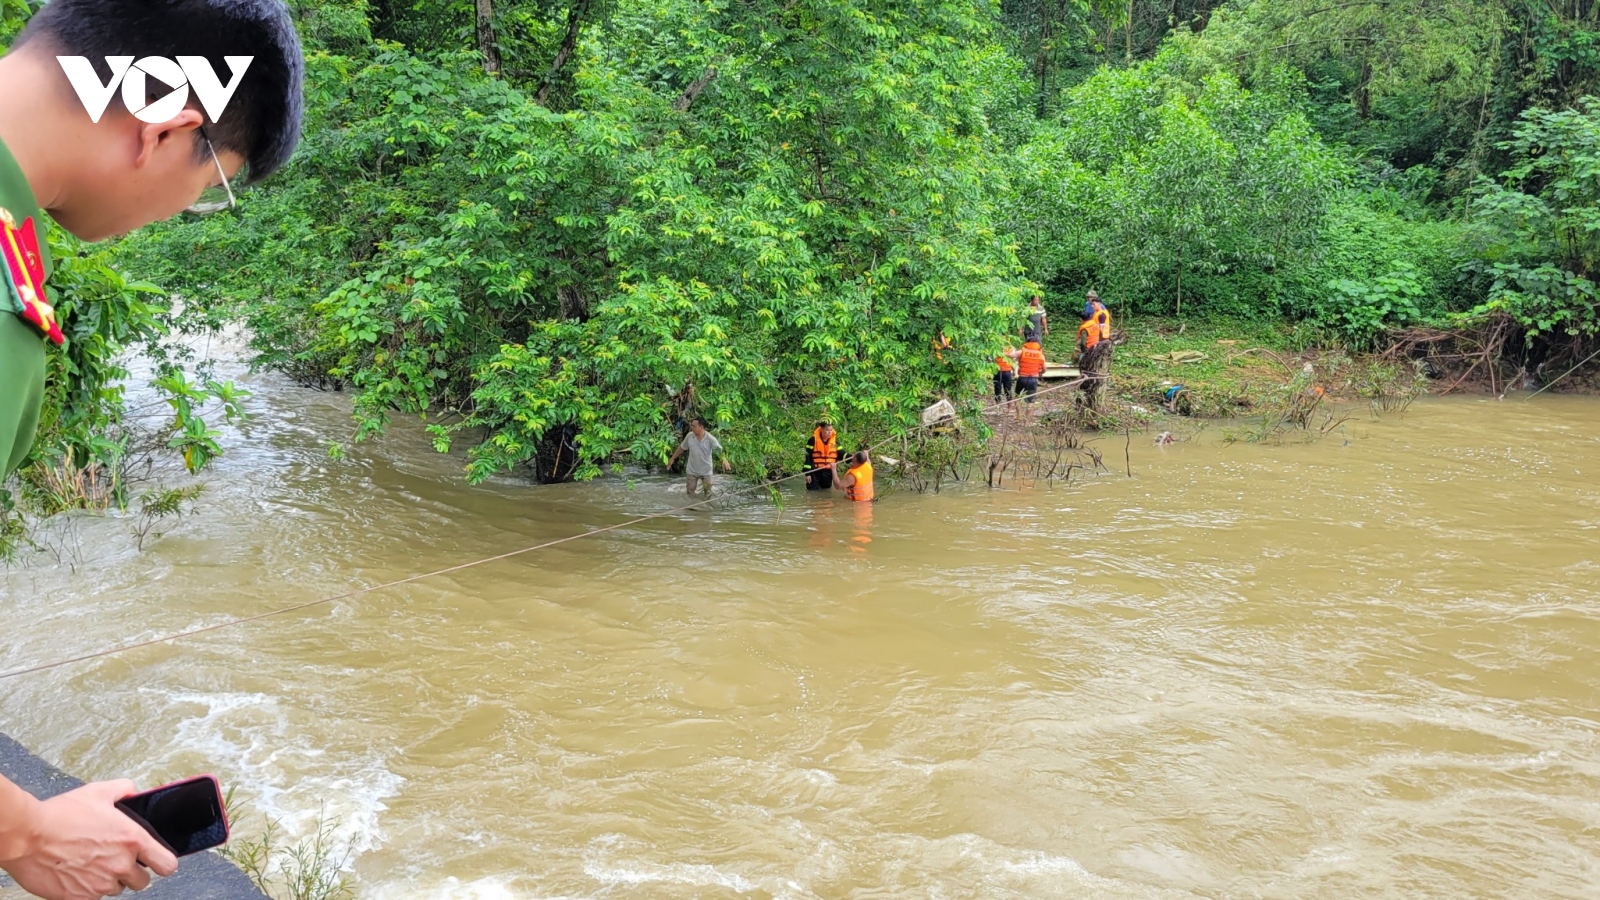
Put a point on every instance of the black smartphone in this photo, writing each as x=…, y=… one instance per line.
x=187, y=816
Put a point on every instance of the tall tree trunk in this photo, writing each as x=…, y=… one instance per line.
x=1041, y=63
x=1094, y=367
x=573, y=306
x=1127, y=34
x=1180, y=282
x=569, y=43
x=1364, y=90
x=487, y=46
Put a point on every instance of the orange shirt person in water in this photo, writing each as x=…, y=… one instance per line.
x=856, y=481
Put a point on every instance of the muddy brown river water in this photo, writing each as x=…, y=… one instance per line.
x=1365, y=667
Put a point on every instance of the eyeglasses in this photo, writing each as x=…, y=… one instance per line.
x=217, y=197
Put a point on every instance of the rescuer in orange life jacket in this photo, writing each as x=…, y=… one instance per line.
x=1030, y=365
x=1095, y=310
x=1005, y=377
x=1093, y=329
x=856, y=482
x=821, y=454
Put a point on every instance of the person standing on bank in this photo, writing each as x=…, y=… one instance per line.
x=99, y=179
x=1005, y=376
x=821, y=454
x=856, y=482
x=702, y=446
x=1096, y=310
x=1030, y=367
x=1094, y=351
x=1089, y=334
x=1038, y=320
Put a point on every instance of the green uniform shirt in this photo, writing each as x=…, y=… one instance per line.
x=21, y=347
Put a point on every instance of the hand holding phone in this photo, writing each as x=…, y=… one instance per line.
x=186, y=816
x=79, y=845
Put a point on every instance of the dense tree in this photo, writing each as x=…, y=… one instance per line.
x=1147, y=176
x=780, y=204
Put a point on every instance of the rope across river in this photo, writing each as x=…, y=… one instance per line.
x=347, y=595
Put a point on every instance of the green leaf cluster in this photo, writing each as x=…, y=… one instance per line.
x=1537, y=227
x=1173, y=192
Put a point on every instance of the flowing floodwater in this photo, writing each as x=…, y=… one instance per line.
x=1365, y=667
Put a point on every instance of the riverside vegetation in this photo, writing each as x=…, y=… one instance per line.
x=538, y=224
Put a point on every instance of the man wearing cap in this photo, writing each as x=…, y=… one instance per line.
x=98, y=179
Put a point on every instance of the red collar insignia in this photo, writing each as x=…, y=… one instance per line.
x=19, y=245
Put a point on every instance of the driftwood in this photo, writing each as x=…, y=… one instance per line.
x=1464, y=351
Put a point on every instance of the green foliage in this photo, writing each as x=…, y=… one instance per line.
x=1382, y=262
x=104, y=314
x=84, y=440
x=1536, y=227
x=1366, y=307
x=158, y=505
x=1152, y=187
x=312, y=868
x=13, y=528
x=774, y=206
x=13, y=15
x=191, y=435
x=338, y=26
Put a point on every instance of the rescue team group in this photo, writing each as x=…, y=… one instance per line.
x=1012, y=380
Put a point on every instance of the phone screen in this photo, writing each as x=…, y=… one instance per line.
x=186, y=816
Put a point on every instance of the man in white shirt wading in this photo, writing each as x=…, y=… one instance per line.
x=701, y=445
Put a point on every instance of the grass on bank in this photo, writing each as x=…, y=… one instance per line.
x=1241, y=364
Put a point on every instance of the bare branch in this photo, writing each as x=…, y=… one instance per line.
x=686, y=99
x=569, y=43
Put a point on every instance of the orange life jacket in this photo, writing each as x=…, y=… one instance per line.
x=861, y=489
x=1032, y=361
x=823, y=452
x=1004, y=362
x=1102, y=317
x=1089, y=332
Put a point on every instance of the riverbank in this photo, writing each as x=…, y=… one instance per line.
x=204, y=876
x=1233, y=368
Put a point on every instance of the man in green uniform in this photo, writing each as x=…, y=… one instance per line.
x=100, y=174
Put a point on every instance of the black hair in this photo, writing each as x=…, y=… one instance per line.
x=824, y=425
x=264, y=115
x=860, y=456
x=699, y=421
